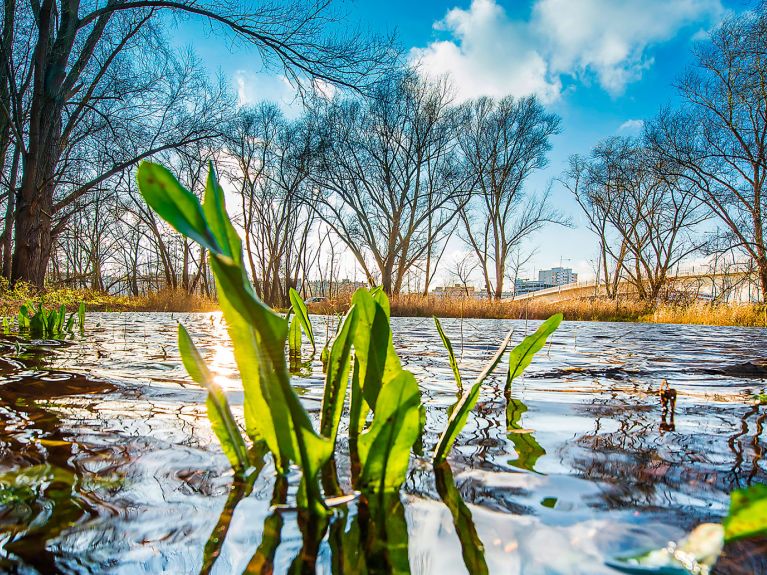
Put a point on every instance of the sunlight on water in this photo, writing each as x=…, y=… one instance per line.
x=578, y=467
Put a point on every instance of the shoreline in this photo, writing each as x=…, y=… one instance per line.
x=416, y=305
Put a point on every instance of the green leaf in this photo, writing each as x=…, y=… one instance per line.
x=217, y=218
x=521, y=356
x=273, y=411
x=337, y=377
x=219, y=413
x=23, y=317
x=467, y=402
x=81, y=316
x=299, y=307
x=384, y=449
x=748, y=513
x=450, y=354
x=61, y=317
x=372, y=346
x=174, y=203
x=294, y=338
x=259, y=333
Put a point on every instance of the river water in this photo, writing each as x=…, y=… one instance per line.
x=109, y=464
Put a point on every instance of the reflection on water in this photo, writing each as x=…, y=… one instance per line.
x=108, y=463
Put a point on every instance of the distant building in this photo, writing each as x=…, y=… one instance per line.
x=557, y=277
x=456, y=290
x=526, y=286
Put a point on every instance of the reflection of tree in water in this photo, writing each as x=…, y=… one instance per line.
x=644, y=467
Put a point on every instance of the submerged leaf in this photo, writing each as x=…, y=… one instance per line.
x=472, y=549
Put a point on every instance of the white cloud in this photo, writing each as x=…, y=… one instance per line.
x=489, y=53
x=631, y=127
x=257, y=87
x=610, y=39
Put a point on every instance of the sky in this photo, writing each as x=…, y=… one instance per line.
x=602, y=65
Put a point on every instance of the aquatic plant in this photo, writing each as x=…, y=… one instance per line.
x=300, y=322
x=700, y=549
x=519, y=359
x=42, y=322
x=273, y=412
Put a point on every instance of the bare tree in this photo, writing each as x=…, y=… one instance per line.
x=270, y=159
x=463, y=268
x=389, y=182
x=502, y=143
x=718, y=140
x=642, y=215
x=75, y=47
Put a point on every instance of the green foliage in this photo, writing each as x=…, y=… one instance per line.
x=42, y=322
x=747, y=516
x=450, y=354
x=302, y=315
x=294, y=338
x=273, y=411
x=464, y=406
x=521, y=356
x=337, y=377
x=384, y=448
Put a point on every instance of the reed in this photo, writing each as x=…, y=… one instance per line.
x=168, y=299
x=624, y=310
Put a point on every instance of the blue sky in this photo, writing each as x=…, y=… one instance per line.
x=602, y=65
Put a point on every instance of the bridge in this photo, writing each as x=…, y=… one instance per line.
x=731, y=285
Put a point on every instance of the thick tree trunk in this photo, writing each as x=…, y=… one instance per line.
x=35, y=200
x=33, y=225
x=7, y=239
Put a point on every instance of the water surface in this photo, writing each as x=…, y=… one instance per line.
x=109, y=464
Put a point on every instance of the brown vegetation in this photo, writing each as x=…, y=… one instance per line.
x=174, y=300
x=603, y=309
x=414, y=305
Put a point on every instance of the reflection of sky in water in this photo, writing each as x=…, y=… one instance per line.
x=586, y=470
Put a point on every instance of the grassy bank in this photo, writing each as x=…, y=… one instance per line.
x=751, y=315
x=164, y=300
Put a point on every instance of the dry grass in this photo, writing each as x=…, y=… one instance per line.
x=413, y=305
x=173, y=300
x=629, y=310
x=164, y=300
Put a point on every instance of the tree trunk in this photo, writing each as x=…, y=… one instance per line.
x=7, y=239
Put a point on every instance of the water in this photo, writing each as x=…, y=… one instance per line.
x=109, y=464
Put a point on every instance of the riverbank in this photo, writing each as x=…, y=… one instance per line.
x=746, y=315
x=173, y=300
x=416, y=305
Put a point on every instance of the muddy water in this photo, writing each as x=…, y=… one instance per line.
x=109, y=466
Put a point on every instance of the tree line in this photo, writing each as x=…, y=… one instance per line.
x=388, y=166
x=697, y=167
